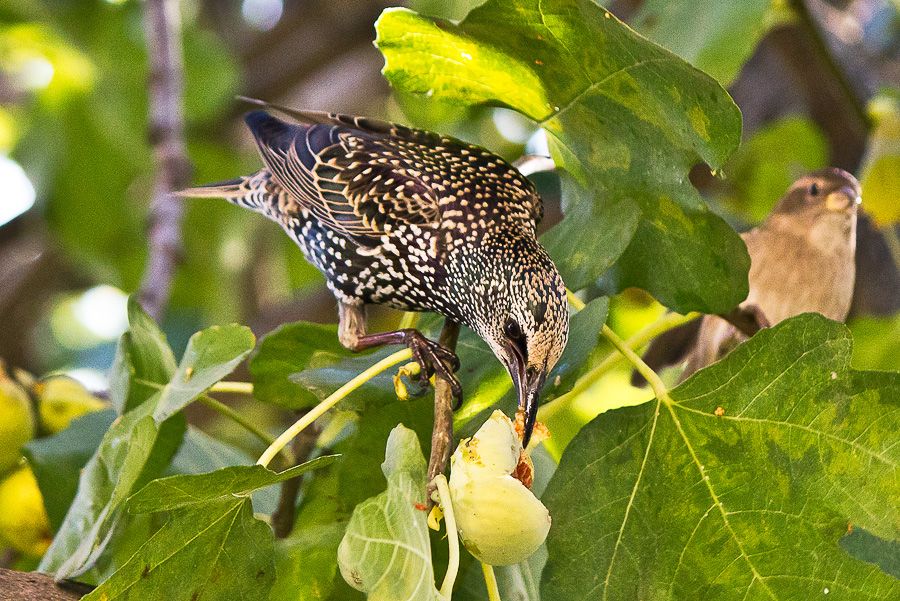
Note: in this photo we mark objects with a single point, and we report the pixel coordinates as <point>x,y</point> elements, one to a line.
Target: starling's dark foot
<point>435,359</point>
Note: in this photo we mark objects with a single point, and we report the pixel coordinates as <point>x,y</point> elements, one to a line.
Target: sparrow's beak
<point>843,199</point>
<point>528,381</point>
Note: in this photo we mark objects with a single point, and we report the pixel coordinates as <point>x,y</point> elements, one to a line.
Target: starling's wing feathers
<point>364,177</point>
<point>355,183</point>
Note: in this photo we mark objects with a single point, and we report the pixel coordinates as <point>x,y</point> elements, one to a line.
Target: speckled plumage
<point>413,220</point>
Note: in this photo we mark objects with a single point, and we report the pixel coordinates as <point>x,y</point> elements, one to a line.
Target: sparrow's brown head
<point>821,193</point>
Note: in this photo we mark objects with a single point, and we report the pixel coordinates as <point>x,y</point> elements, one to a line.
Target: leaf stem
<point>228,412</point>
<point>409,320</point>
<point>233,388</point>
<point>574,300</point>
<point>813,29</point>
<point>443,489</point>
<point>333,399</point>
<point>656,383</point>
<point>491,581</point>
<point>667,322</point>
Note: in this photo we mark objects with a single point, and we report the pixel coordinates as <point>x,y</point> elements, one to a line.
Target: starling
<point>801,260</point>
<point>417,221</point>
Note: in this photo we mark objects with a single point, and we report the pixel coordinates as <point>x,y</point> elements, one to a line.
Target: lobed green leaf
<point>212,551</point>
<point>740,487</point>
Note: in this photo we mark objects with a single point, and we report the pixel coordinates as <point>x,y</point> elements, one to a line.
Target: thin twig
<point>166,133</point>
<point>442,431</point>
<point>285,513</point>
<point>808,22</point>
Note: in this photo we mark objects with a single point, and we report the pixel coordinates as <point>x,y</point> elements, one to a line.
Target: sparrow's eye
<point>512,329</point>
<point>814,189</point>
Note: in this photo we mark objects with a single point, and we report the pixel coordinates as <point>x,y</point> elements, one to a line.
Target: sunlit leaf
<point>626,118</point>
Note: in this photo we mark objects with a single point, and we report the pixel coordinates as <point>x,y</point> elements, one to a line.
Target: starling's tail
<point>250,192</point>
<point>227,190</point>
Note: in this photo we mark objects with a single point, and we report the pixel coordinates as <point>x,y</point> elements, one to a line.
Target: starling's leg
<point>431,356</point>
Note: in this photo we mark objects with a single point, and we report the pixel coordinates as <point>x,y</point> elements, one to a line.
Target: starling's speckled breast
<point>393,215</point>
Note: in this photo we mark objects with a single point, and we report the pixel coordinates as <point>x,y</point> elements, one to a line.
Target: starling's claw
<point>435,359</point>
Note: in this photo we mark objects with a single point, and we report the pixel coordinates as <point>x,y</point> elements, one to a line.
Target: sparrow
<point>802,259</point>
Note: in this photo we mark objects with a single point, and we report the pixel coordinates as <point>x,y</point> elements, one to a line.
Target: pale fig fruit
<point>499,519</point>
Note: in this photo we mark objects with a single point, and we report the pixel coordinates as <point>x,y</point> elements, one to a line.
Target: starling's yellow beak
<point>843,199</point>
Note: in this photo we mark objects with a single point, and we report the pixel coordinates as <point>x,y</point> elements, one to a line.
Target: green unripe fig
<point>16,423</point>
<point>24,525</point>
<point>62,399</point>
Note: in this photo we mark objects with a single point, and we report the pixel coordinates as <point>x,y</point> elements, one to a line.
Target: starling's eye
<point>814,189</point>
<point>512,329</point>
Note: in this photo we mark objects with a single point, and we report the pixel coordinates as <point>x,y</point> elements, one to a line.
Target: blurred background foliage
<point>817,82</point>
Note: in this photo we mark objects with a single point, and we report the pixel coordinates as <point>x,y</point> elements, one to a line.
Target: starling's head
<point>525,320</point>
<point>831,194</point>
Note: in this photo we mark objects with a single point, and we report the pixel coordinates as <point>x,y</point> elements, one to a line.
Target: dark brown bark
<point>32,586</point>
<point>831,99</point>
<point>286,512</point>
<point>442,432</point>
<point>166,132</point>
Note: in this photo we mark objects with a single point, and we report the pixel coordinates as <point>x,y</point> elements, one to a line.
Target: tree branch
<point>32,586</point>
<point>286,512</point>
<point>166,133</point>
<point>808,23</point>
<point>442,432</point>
